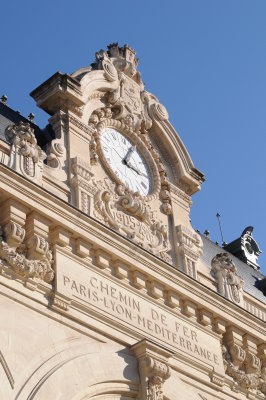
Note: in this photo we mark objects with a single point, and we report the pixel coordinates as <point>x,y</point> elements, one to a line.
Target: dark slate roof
<point>247,273</point>
<point>9,116</point>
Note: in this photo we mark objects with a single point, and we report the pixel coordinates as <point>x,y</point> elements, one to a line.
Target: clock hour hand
<point>136,169</point>
<point>129,154</point>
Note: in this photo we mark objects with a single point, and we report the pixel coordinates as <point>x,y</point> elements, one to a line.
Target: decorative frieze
<point>255,309</point>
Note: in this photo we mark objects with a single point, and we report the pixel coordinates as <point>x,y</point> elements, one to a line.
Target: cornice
<point>89,229</point>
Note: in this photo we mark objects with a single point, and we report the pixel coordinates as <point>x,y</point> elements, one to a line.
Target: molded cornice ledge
<point>55,91</point>
<point>173,284</point>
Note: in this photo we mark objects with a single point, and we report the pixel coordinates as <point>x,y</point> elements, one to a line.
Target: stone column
<point>153,368</point>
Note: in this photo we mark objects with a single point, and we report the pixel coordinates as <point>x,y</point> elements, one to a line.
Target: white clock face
<point>126,161</point>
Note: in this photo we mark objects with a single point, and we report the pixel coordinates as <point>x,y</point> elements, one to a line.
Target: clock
<point>249,247</point>
<point>126,161</point>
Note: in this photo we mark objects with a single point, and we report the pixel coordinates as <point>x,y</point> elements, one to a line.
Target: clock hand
<point>129,154</point>
<point>130,165</point>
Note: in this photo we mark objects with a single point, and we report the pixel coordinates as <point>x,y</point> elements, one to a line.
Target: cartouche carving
<point>26,156</point>
<point>230,285</point>
<point>129,215</point>
<point>21,262</point>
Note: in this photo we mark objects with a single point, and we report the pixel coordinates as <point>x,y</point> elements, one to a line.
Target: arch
<point>78,370</point>
<point>109,390</point>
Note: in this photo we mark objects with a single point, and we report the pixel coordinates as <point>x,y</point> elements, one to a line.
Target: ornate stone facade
<point>104,290</point>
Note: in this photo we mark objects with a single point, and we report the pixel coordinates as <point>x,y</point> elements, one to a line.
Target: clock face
<point>249,248</point>
<point>126,161</point>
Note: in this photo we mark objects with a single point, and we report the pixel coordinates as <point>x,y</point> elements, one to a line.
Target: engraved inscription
<point>90,288</point>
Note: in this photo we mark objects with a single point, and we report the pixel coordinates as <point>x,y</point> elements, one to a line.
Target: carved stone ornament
<point>26,156</point>
<point>129,101</point>
<point>19,258</point>
<point>103,118</point>
<point>128,214</point>
<point>56,152</point>
<point>83,183</point>
<point>189,245</point>
<point>234,367</point>
<point>157,373</point>
<point>230,285</point>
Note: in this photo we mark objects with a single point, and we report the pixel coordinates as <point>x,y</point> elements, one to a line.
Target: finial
<point>4,99</point>
<point>220,226</point>
<point>207,233</point>
<point>31,117</point>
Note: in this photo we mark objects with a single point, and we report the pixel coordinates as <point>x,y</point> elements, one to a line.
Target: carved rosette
<point>230,285</point>
<point>26,156</point>
<point>36,263</point>
<point>189,247</point>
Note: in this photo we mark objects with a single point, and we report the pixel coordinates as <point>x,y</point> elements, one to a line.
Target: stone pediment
<point>113,81</point>
<point>109,95</point>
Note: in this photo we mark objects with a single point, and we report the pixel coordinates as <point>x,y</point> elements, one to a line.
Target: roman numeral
<point>143,184</point>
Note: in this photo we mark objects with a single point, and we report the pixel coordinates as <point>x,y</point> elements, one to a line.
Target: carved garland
<point>16,257</point>
<point>129,215</point>
<point>233,362</point>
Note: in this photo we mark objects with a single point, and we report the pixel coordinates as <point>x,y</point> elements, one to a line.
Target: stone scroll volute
<point>154,369</point>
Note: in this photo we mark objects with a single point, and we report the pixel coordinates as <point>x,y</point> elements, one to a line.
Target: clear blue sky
<point>204,59</point>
